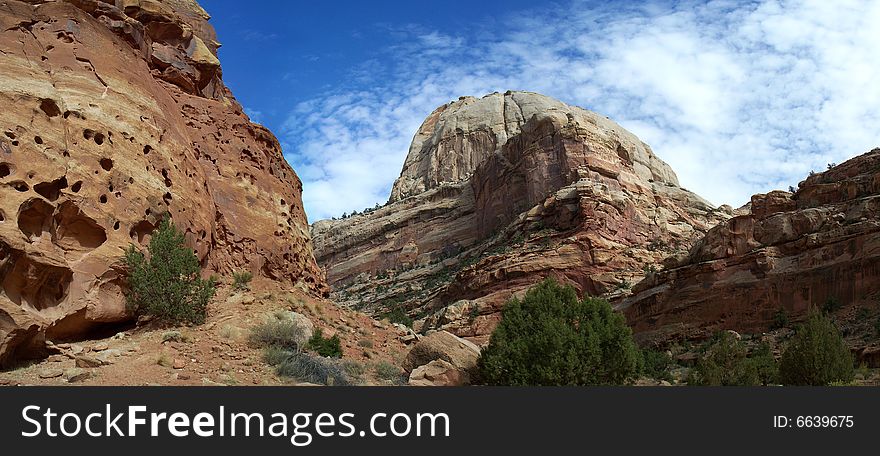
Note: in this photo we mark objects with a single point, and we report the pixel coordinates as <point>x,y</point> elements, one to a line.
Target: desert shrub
<point>313,369</point>
<point>780,319</point>
<point>831,305</point>
<point>354,370</point>
<point>725,361</point>
<point>282,334</point>
<point>657,365</point>
<point>329,347</point>
<point>390,373</point>
<point>398,315</point>
<point>765,365</point>
<point>275,355</point>
<point>166,283</point>
<point>175,336</point>
<point>816,355</point>
<point>553,338</point>
<point>241,279</point>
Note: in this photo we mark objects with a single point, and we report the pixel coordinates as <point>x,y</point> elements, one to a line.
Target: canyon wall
<point>818,246</point>
<point>499,192</point>
<point>115,114</point>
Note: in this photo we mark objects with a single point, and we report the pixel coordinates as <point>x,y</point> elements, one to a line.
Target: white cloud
<point>254,115</point>
<point>738,98</point>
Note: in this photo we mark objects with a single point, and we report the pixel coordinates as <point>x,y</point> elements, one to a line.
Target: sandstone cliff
<point>790,251</point>
<point>114,113</point>
<point>497,193</point>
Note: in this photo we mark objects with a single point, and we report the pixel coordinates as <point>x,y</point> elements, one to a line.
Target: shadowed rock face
<point>114,113</point>
<point>790,252</point>
<point>500,192</point>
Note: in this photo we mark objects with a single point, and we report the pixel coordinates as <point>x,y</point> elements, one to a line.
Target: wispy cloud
<point>738,98</point>
<point>254,115</point>
<point>258,35</point>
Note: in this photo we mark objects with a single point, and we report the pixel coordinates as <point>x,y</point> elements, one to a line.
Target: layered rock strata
<point>499,192</point>
<point>816,247</point>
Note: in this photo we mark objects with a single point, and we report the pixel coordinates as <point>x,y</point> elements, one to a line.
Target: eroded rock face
<point>114,113</point>
<point>790,252</point>
<point>500,192</point>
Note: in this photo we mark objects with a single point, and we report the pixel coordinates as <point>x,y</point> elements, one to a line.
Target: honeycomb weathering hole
<point>35,217</point>
<point>49,107</point>
<point>141,231</point>
<point>75,230</point>
<point>51,190</point>
<point>20,186</point>
<point>107,164</point>
<point>5,169</point>
<point>29,283</point>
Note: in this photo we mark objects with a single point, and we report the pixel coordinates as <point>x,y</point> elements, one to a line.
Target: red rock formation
<point>500,192</point>
<point>791,252</point>
<point>114,114</point>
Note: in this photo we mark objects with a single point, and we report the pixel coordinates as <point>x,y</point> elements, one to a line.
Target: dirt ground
<point>217,352</point>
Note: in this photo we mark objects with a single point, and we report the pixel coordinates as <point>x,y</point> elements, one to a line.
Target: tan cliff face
<point>113,115</point>
<point>789,252</point>
<point>500,192</point>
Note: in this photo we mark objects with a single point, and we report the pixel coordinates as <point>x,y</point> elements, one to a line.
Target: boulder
<point>442,345</point>
<point>439,373</point>
<point>298,319</point>
<point>77,375</point>
<point>87,361</point>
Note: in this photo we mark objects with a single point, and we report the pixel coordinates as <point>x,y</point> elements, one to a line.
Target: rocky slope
<point>115,113</point>
<point>499,192</point>
<point>816,247</point>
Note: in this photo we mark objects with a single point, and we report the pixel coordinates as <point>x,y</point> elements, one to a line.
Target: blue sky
<point>738,97</point>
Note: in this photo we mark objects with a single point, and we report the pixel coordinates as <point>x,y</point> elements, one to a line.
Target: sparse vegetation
<point>398,315</point>
<point>283,334</point>
<point>166,283</point>
<point>553,338</point>
<point>816,355</point>
<point>241,280</point>
<point>313,369</point>
<point>175,336</point>
<point>280,342</point>
<point>230,332</point>
<point>389,373</point>
<point>780,319</point>
<point>725,361</point>
<point>831,305</point>
<point>354,370</point>
<point>657,365</point>
<point>329,347</point>
<point>164,360</point>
